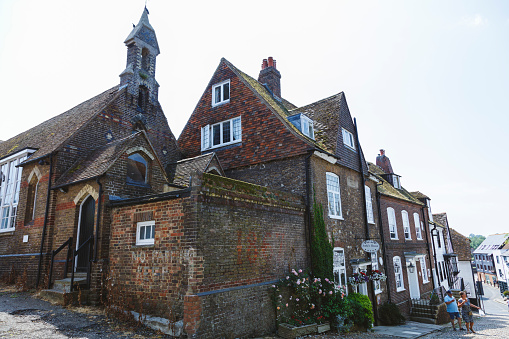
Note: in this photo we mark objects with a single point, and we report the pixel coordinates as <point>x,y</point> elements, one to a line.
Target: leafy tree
<point>476,240</point>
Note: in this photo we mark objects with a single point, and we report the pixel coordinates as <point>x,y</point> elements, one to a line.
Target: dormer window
<point>303,124</point>
<point>221,93</point>
<point>396,182</point>
<point>348,139</point>
<point>306,125</point>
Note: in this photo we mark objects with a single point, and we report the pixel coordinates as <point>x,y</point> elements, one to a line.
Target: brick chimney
<point>384,162</point>
<point>270,75</point>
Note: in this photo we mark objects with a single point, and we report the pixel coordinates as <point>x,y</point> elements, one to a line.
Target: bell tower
<point>139,75</point>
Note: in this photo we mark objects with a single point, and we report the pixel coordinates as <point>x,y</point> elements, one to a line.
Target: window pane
<point>217,94</point>
<point>226,91</point>
<point>216,135</point>
<point>142,232</point>
<point>136,169</point>
<point>153,227</point>
<point>226,131</point>
<point>236,129</point>
<point>148,230</point>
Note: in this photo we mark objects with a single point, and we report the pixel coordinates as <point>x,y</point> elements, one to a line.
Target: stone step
<point>427,307</point>
<point>64,285</point>
<point>423,320</point>
<point>63,298</point>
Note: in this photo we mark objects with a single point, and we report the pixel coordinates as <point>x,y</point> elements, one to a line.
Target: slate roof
<point>97,162</point>
<point>389,190</point>
<point>180,171</point>
<point>326,114</point>
<point>492,243</point>
<point>51,134</point>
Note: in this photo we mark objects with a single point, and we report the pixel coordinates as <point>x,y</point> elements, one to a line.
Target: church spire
<point>139,75</point>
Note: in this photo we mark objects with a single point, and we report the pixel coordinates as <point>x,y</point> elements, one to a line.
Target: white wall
<point>466,273</point>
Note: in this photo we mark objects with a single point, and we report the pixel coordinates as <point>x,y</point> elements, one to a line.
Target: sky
<point>426,80</point>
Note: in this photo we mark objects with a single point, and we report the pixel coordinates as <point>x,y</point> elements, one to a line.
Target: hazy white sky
<point>427,80</point>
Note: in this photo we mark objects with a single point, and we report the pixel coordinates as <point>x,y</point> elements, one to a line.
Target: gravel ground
<point>23,316</point>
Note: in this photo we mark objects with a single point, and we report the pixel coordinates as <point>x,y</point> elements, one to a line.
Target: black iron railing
<point>90,243</point>
<point>68,243</point>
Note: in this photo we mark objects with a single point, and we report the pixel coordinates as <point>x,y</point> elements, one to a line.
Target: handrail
<point>90,243</point>
<point>54,253</point>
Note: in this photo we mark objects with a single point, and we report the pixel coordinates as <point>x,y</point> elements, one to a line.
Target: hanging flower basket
<point>358,278</point>
<point>376,275</point>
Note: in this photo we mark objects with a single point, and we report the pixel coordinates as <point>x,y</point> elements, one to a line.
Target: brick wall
<point>400,246</point>
<point>215,254</point>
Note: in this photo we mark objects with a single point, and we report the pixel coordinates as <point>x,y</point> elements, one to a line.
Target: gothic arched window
<point>145,59</point>
<point>137,169</point>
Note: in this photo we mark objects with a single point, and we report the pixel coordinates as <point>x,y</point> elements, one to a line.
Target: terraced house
<point>404,223</point>
<point>312,151</point>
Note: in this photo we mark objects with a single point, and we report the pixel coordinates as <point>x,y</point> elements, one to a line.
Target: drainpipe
<point>99,205</point>
<point>383,239</point>
<point>45,225</point>
<point>307,163</point>
<point>427,242</point>
<point>363,189</point>
<point>435,251</point>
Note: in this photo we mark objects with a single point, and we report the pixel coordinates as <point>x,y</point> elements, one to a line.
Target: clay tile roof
<point>97,162</point>
<point>180,171</point>
<point>389,190</point>
<point>440,218</point>
<point>461,245</point>
<point>419,195</point>
<point>51,134</point>
<point>278,106</point>
<point>324,114</point>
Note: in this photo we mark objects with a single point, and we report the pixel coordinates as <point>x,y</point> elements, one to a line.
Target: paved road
<point>492,302</point>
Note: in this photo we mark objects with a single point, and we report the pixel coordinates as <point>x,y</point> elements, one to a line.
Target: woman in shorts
<point>466,311</point>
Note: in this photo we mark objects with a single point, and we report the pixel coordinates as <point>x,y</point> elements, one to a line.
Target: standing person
<point>452,309</point>
<point>466,311</point>
<point>507,302</point>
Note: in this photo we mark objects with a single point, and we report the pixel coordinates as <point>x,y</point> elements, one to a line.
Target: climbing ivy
<point>322,250</point>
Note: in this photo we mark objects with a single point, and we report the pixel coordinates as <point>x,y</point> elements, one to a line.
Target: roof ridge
<point>319,101</point>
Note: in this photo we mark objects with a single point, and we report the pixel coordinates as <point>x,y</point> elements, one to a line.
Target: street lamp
<point>411,268</point>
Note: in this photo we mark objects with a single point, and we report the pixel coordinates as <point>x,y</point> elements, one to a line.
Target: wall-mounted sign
<point>370,246</point>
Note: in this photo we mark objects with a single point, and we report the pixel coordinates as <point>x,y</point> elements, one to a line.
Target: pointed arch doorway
<point>85,231</point>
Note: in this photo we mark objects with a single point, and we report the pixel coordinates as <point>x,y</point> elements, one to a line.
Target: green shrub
<point>362,312</point>
<point>389,314</point>
<point>506,293</point>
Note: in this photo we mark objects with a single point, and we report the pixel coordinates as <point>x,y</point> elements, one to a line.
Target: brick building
<point>108,177</point>
<point>404,223</point>
<point>312,151</point>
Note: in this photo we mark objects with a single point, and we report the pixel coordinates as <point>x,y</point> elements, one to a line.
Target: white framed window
<point>398,274</point>
<point>10,183</point>
<point>406,225</point>
<point>145,232</point>
<point>374,266</point>
<point>221,134</point>
<point>396,182</point>
<point>369,205</point>
<point>339,268</point>
<point>221,93</point>
<point>334,196</point>
<point>348,139</point>
<point>424,271</point>
<point>306,126</point>
<point>393,229</point>
<point>418,226</point>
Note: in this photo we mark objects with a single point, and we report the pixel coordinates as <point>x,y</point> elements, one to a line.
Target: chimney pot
<point>271,62</point>
<point>270,75</point>
<point>264,64</point>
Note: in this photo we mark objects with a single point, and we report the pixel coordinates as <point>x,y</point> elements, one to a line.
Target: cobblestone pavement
<point>22,317</point>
